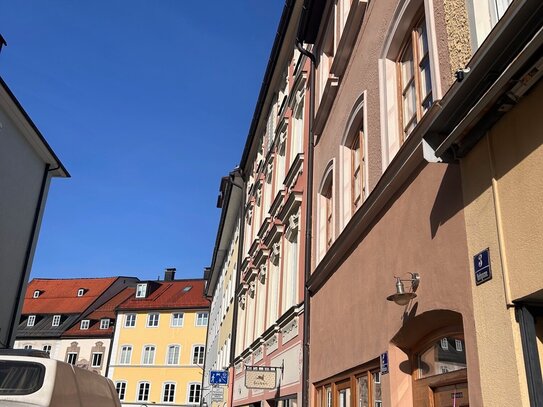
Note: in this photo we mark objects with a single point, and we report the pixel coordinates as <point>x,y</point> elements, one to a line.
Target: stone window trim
<point>73,349</point>
<point>98,348</point>
<point>407,13</point>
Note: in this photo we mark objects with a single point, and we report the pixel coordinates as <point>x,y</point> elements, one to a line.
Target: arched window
<point>326,211</point>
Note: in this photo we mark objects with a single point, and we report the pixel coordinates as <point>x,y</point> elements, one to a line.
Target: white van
<point>31,381</point>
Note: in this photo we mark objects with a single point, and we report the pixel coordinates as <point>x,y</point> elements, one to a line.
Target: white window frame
<point>101,359</point>
<point>200,317</point>
<point>81,292</point>
<point>402,24</point>
<point>173,320</point>
<point>148,350</point>
<point>104,323</point>
<point>321,208</point>
<point>174,384</point>
<point>483,15</point>
<point>36,294</point>
<point>143,382</point>
<point>200,356</point>
<point>172,346</point>
<point>56,320</point>
<point>125,350</point>
<point>75,354</point>
<point>47,348</point>
<point>85,324</point>
<point>150,317</point>
<point>141,290</point>
<point>31,320</point>
<point>199,386</point>
<point>121,390</point>
<point>127,319</point>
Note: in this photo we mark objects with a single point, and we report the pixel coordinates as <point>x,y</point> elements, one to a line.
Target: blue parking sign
<point>218,377</point>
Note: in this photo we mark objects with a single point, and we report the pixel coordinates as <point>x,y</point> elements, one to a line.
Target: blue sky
<point>148,104</point>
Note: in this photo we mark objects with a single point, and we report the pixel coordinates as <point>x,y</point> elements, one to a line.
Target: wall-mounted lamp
<point>401,297</point>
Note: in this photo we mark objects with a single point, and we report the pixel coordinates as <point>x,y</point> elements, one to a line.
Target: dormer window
<point>141,290</point>
<point>56,320</point>
<point>104,323</point>
<point>31,320</point>
<point>81,292</point>
<point>84,324</point>
<point>36,294</point>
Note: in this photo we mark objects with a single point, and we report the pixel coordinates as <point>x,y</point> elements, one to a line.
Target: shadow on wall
<point>448,200</point>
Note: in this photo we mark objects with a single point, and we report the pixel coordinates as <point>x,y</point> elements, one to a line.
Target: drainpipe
<point>23,277</point>
<point>241,239</point>
<point>308,226</point>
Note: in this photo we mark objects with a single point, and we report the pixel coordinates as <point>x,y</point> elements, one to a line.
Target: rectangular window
<point>71,358</point>
<point>152,320</point>
<point>148,355</point>
<point>47,348</point>
<point>121,389</point>
<point>361,389</point>
<point>97,359</point>
<point>28,347</point>
<point>177,319</point>
<point>130,321</point>
<point>194,393</point>
<point>168,395</point>
<point>56,320</point>
<point>31,320</point>
<point>143,391</point>
<point>126,354</point>
<point>104,323</point>
<point>198,355</point>
<point>357,171</point>
<point>201,319</point>
<point>173,355</point>
<point>141,290</point>
<point>84,324</point>
<point>36,294</point>
<point>80,292</point>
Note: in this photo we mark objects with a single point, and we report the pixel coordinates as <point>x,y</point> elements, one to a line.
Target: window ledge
<point>294,171</point>
<point>349,36</point>
<point>328,96</point>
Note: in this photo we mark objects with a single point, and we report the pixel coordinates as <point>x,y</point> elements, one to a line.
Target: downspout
<point>241,239</point>
<point>205,353</point>
<point>29,248</point>
<point>308,227</point>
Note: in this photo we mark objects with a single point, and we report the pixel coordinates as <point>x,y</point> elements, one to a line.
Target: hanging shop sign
<point>261,377</point>
<point>481,266</point>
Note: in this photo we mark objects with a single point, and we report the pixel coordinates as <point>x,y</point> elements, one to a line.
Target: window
<point>47,348</point>
<point>97,359</point>
<point>126,354</point>
<point>31,320</point>
<point>71,358</point>
<point>445,355</point>
<point>326,212</point>
<point>363,388</point>
<point>198,355</point>
<point>173,355</point>
<point>121,389</point>
<point>484,15</point>
<point>290,265</point>
<point>201,319</point>
<point>36,294</point>
<point>80,292</point>
<point>104,323</point>
<point>296,145</point>
<point>152,320</point>
<point>141,290</point>
<point>414,78</point>
<point>168,395</point>
<point>28,347</point>
<point>357,171</point>
<point>85,324</point>
<point>130,321</point>
<point>194,393</point>
<point>177,319</point>
<point>148,355</point>
<point>56,320</point>
<point>143,391</point>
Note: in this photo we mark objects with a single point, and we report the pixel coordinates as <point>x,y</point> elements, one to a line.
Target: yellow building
<point>158,347</point>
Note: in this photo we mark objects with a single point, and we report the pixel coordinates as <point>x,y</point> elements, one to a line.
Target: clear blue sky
<point>147,104</point>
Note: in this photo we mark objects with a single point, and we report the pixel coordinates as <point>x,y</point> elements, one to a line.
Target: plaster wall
<point>38,344</point>
<point>502,179</point>
<point>21,174</point>
<point>85,346</point>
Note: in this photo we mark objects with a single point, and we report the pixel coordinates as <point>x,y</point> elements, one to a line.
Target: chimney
<point>169,274</point>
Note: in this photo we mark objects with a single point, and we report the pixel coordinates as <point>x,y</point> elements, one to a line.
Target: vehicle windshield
<point>19,378</point>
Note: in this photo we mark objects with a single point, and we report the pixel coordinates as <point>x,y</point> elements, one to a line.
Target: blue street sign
<point>481,266</point>
<point>218,377</point>
<point>384,363</point>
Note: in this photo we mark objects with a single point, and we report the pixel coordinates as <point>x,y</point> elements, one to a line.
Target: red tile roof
<point>107,310</point>
<point>59,296</point>
<point>170,294</point>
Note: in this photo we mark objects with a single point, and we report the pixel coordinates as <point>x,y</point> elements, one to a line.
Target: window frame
<point>121,392</point>
<point>141,290</point>
<point>139,390</point>
<point>69,355</point>
<point>171,346</point>
<point>56,320</point>
<point>173,319</point>
<point>104,323</point>
<point>80,292</point>
<point>172,396</point>
<point>36,294</point>
<point>198,389</point>
<point>150,315</point>
<point>93,354</point>
<point>127,349</point>
<point>148,350</point>
<point>50,347</point>
<point>84,324</point>
<point>326,211</point>
<point>127,318</point>
<point>31,321</point>
<point>200,356</point>
<point>204,315</point>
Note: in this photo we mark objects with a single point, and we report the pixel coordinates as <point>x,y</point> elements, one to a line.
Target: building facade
<point>158,348</point>
<point>54,311</point>
<point>27,165</point>
<point>270,311</point>
<point>221,282</point>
